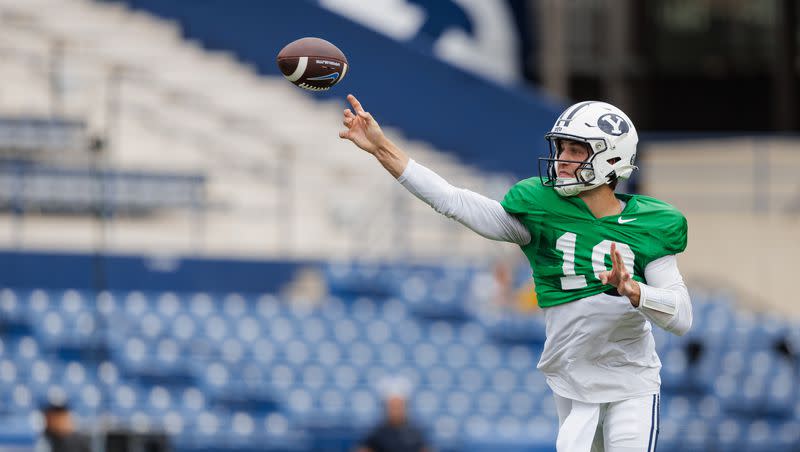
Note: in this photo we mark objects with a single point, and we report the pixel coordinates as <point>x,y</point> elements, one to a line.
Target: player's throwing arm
<point>475,211</point>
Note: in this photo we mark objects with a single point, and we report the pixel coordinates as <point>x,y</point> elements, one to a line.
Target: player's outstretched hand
<point>620,277</point>
<point>362,129</point>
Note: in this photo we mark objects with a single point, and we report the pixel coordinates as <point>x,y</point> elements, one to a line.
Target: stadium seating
<point>265,149</point>
<point>23,136</point>
<point>52,189</point>
<point>245,371</point>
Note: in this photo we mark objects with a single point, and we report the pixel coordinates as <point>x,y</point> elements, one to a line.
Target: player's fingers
<point>344,134</point>
<point>355,103</point>
<point>616,257</point>
<point>603,277</point>
<point>348,113</point>
<point>365,114</point>
<point>614,266</point>
<point>622,262</point>
<point>348,122</point>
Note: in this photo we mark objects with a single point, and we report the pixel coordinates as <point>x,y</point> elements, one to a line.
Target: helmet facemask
<point>586,173</point>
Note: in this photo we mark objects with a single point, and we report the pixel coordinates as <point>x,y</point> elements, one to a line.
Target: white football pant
<point>625,426</point>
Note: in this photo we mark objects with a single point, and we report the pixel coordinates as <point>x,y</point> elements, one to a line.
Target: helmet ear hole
<point>613,161</point>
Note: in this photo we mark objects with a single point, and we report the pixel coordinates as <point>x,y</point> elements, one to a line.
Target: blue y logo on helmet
<point>613,124</point>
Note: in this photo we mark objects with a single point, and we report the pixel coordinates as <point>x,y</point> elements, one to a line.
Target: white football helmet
<point>612,140</point>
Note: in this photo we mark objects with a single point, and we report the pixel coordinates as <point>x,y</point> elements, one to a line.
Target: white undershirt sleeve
<point>665,299</point>
<point>475,211</point>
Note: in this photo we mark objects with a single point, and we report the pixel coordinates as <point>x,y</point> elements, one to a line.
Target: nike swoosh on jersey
<point>628,220</point>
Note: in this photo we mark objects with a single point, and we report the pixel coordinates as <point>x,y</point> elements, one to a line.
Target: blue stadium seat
<point>364,406</point>
<point>12,311</point>
<point>183,328</point>
<point>88,401</point>
<point>696,435</point>
<point>75,376</point>
<point>471,379</point>
<point>394,357</point>
<point>37,301</point>
<point>472,334</point>
<point>358,278</point>
<point>435,298</point>
<point>333,404</point>
<point>216,328</point>
<point>709,408</point>
<point>41,376</point>
<point>107,374</point>
<point>232,351</point>
<point>393,311</point>
<point>787,435</point>
<point>267,307</point>
<point>203,430</point>
<point>458,403</point>
<point>408,332</point>
<point>247,329</point>
<point>759,437</point>
<point>281,329</point>
<point>201,306</point>
<point>192,400</point>
<point>445,429</point>
<point>346,377</point>
<point>169,304</point>
<point>378,332</point>
<point>363,309</point>
<point>125,399</point>
<point>534,382</point>
<point>489,404</point>
<point>135,305</point>
<point>675,407</point>
<point>729,435</point>
<point>439,378</point>
<point>24,351</point>
<point>235,306</point>
<point>173,423</point>
<point>425,404</point>
<point>18,398</point>
<point>489,356</point>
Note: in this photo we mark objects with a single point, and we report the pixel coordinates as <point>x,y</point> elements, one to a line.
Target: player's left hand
<point>620,277</point>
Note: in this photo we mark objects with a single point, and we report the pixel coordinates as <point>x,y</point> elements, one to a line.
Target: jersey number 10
<point>566,244</point>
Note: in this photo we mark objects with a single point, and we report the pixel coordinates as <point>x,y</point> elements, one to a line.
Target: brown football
<point>312,63</point>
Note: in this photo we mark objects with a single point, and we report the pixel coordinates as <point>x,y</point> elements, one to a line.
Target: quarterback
<point>604,266</point>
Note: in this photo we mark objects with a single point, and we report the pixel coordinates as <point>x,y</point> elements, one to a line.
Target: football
<point>312,63</point>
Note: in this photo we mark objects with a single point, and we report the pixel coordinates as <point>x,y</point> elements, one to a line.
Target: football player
<point>604,266</point>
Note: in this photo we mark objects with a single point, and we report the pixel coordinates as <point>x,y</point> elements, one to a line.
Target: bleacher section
<point>255,371</point>
<point>22,137</point>
<point>407,86</point>
<point>277,177</point>
<point>41,188</point>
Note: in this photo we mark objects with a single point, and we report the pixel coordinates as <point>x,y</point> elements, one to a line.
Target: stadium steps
<point>184,107</point>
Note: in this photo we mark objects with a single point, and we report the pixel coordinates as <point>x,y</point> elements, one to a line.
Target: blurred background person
<point>59,432</point>
<point>396,432</point>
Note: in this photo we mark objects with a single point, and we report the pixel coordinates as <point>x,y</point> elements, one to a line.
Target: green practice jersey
<point>569,247</point>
